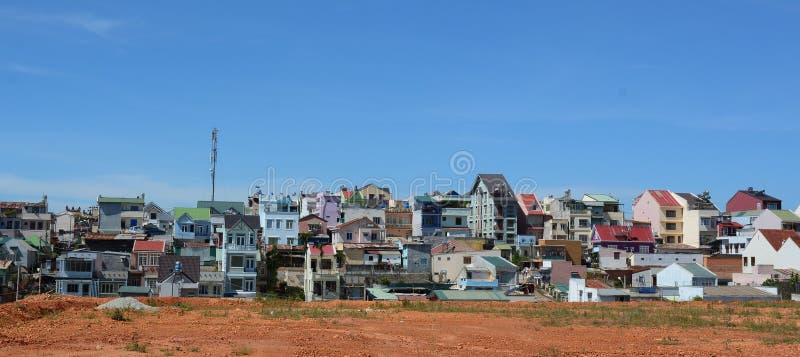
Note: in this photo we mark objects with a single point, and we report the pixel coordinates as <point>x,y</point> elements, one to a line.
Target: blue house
<point>192,223</point>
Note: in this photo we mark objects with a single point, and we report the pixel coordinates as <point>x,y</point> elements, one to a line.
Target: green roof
<point>197,214</point>
<point>754,212</point>
<point>424,198</point>
<point>470,295</point>
<point>219,207</point>
<point>697,270</point>
<point>102,199</point>
<point>602,197</point>
<point>564,288</point>
<point>380,294</point>
<point>498,262</point>
<point>786,216</point>
<point>36,242</point>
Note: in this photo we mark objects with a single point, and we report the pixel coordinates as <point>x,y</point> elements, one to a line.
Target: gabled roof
<point>530,204</point>
<point>786,216</point>
<point>311,216</point>
<point>327,250</point>
<point>357,221</point>
<point>452,246</point>
<point>602,197</point>
<point>596,284</point>
<point>196,214</point>
<point>624,234</point>
<point>149,246</point>
<point>694,202</point>
<point>222,207</point>
<point>102,199</point>
<point>347,194</point>
<point>697,270</point>
<point>251,221</point>
<point>761,195</point>
<point>36,242</point>
<point>493,181</point>
<point>190,265</point>
<point>776,237</point>
<point>469,295</point>
<point>152,205</point>
<point>664,198</point>
<point>385,189</point>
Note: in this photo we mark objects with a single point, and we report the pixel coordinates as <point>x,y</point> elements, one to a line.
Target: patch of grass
<point>183,306</point>
<point>90,316</point>
<point>135,346</point>
<point>118,315</point>
<point>243,351</point>
<point>209,313</point>
<point>53,315</point>
<point>167,352</point>
<point>781,340</point>
<point>194,349</point>
<point>668,341</point>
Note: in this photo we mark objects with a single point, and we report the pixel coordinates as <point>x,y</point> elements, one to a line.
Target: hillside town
<point>365,243</point>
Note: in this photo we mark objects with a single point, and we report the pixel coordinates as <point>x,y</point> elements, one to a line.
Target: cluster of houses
<point>362,243</point>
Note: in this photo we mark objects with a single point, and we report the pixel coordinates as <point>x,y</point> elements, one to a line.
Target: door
<point>134,223</point>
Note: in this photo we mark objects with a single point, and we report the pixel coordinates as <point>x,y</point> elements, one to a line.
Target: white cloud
<point>25,69</point>
<point>83,21</point>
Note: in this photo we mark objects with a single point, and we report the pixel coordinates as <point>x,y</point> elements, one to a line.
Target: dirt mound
<point>37,306</point>
<point>126,303</point>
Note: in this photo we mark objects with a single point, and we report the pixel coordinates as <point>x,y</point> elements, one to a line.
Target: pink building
<point>663,211</point>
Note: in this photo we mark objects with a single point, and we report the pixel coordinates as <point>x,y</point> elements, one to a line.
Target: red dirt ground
<point>61,325</point>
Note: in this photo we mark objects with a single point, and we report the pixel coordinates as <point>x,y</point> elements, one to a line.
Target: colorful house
<point>750,199</point>
<point>663,212</point>
<point>635,239</point>
<point>192,223</point>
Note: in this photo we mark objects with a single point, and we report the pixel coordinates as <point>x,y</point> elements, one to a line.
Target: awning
<point>383,252</point>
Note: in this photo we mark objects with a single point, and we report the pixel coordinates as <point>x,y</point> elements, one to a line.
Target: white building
<point>665,259</point>
<point>279,219</point>
<point>685,274</point>
<point>776,247</point>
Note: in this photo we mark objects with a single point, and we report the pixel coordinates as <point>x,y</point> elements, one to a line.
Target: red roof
<point>148,245</point>
<point>342,225</point>
<point>776,237</point>
<point>624,234</point>
<point>453,246</point>
<point>347,194</point>
<point>596,284</point>
<point>526,201</point>
<point>731,224</point>
<point>326,250</point>
<point>664,198</point>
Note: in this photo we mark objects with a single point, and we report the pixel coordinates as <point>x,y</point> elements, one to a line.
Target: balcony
<point>240,247</point>
<point>477,283</point>
<point>329,276</point>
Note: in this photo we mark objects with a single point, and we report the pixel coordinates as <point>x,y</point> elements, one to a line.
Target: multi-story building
<point>120,214</point>
<point>700,218</point>
<point>363,230</point>
<point>27,217</point>
<point>279,217</point>
<point>89,273</point>
<point>158,218</point>
<point>327,207</point>
<point>635,239</point>
<point>779,248</point>
<point>398,222</point>
<point>606,209</point>
<point>531,217</point>
<point>750,199</point>
<point>777,219</point>
<point>374,196</point>
<point>427,216</point>
<point>144,263</point>
<point>663,212</point>
<point>455,214</point>
<point>192,224</point>
<point>321,278</point>
<point>571,219</point>
<point>238,254</point>
<point>493,209</point>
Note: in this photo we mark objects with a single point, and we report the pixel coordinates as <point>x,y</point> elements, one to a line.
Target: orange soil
<point>61,325</point>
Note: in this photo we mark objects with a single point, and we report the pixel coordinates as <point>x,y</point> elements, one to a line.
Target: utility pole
<point>213,160</point>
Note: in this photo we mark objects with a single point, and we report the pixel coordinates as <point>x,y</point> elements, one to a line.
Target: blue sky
<point>118,98</point>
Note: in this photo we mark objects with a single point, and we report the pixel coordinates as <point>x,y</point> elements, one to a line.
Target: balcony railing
<point>234,246</point>
<point>476,283</point>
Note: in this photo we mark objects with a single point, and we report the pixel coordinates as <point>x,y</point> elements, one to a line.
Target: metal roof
<point>601,197</point>
<point>498,262</point>
<point>197,214</point>
<point>469,295</point>
<point>102,199</point>
<point>786,216</point>
<point>380,294</point>
<point>697,270</point>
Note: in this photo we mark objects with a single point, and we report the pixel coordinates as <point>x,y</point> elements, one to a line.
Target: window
<point>277,224</point>
<point>236,284</point>
<point>85,289</point>
<point>583,223</point>
<point>84,266</point>
<point>273,240</point>
<point>107,288</point>
<point>290,241</point>
<point>72,288</point>
<point>240,239</point>
<point>289,224</point>
<point>217,290</point>
<point>644,249</point>
<point>371,258</point>
<point>237,261</point>
<point>142,260</point>
<point>752,261</point>
<point>376,220</point>
<point>349,235</point>
<point>251,238</point>
<point>584,238</point>
<point>203,289</point>
<point>250,263</point>
<point>444,218</point>
<point>745,261</point>
<point>671,213</point>
<point>671,226</point>
<point>326,264</point>
<point>467,260</point>
<point>616,255</point>
<point>459,221</point>
<point>269,224</point>
<point>588,296</point>
<point>249,285</point>
<point>153,215</point>
<point>185,228</point>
